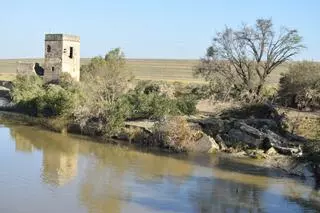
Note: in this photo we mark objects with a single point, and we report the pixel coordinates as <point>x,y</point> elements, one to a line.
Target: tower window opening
<point>52,69</point>
<point>48,48</point>
<point>71,52</point>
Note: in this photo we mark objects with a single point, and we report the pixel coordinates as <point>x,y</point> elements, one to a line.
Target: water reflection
<point>59,158</point>
<point>113,178</point>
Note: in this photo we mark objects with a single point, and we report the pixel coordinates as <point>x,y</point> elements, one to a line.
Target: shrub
<point>152,105</point>
<point>159,87</point>
<point>187,104</point>
<point>300,87</point>
<point>105,82</point>
<point>32,97</point>
<point>150,100</point>
<point>174,134</point>
<point>67,82</point>
<point>198,91</point>
<point>27,93</point>
<point>269,93</point>
<point>57,101</point>
<point>304,125</point>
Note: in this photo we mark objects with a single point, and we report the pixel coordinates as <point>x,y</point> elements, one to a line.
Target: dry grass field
<point>145,69</point>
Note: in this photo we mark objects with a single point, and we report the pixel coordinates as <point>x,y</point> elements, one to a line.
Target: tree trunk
<point>259,89</point>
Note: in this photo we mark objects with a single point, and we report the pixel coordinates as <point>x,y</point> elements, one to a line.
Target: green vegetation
<point>37,99</point>
<point>154,100</point>
<point>300,87</point>
<point>105,98</point>
<point>241,66</point>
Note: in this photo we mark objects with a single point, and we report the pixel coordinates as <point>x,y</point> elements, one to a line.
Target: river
<point>47,172</point>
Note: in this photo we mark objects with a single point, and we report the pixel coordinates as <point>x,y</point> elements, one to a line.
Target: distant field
<point>145,69</point>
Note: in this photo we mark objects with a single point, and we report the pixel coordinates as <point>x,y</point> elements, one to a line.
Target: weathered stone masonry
<point>62,54</point>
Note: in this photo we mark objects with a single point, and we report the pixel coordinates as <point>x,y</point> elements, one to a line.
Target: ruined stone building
<point>62,55</point>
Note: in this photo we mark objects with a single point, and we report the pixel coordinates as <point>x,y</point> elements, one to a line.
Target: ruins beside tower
<point>62,55</point>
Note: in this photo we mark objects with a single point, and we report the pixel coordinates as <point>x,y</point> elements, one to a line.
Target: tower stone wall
<point>62,54</point>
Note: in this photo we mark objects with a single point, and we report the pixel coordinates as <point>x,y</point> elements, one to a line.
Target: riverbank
<point>238,137</point>
<point>83,174</point>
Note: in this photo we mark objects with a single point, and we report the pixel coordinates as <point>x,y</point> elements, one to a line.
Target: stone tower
<point>62,54</point>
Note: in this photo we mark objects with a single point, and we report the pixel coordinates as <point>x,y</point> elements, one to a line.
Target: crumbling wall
<point>26,68</point>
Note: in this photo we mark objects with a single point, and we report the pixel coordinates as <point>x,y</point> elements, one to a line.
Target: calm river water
<point>42,172</point>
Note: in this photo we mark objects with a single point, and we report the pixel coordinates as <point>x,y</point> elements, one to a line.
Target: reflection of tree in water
<point>115,175</point>
<point>304,196</point>
<point>144,163</point>
<point>59,156</point>
<point>105,185</point>
<point>218,195</point>
<point>101,190</point>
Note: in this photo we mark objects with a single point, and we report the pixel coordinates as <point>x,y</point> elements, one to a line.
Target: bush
<point>198,91</point>
<point>306,126</point>
<point>151,105</point>
<point>27,93</point>
<point>159,87</point>
<point>32,97</point>
<point>151,100</point>
<point>174,134</point>
<point>57,101</point>
<point>104,85</point>
<point>187,105</point>
<point>300,87</point>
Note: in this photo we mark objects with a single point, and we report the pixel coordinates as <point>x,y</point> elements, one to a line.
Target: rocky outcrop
<point>244,133</point>
<point>205,144</point>
<point>271,151</point>
<point>255,133</point>
<point>221,143</point>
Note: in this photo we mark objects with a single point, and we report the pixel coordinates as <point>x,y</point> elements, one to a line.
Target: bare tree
<point>246,57</point>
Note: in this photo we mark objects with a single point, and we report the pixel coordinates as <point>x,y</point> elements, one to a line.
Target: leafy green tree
<point>115,59</point>
<point>105,81</point>
<point>57,101</point>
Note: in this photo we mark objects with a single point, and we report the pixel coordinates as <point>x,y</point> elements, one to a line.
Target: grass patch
<point>145,69</point>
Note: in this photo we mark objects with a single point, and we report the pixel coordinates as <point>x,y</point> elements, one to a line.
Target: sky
<point>164,29</point>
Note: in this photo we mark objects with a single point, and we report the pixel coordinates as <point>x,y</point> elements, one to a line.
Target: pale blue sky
<point>146,28</point>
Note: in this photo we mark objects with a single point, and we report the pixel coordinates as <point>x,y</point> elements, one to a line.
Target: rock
<point>289,151</point>
<point>246,134</point>
<point>271,151</point>
<point>257,154</point>
<point>317,175</point>
<point>317,170</point>
<point>274,138</point>
<point>262,123</point>
<point>301,170</point>
<point>293,137</point>
<point>213,126</point>
<point>251,131</point>
<point>195,126</point>
<point>4,102</point>
<point>237,136</point>
<point>146,125</point>
<point>257,132</point>
<point>205,144</point>
<point>221,143</point>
